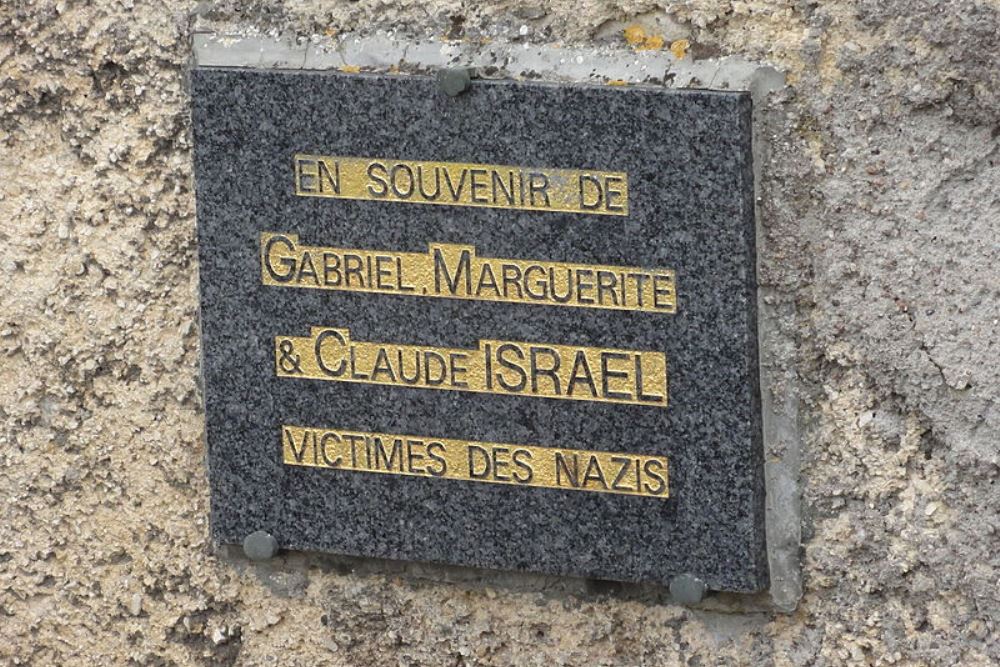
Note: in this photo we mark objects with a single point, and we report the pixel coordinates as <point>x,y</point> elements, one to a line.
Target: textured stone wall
<point>880,215</point>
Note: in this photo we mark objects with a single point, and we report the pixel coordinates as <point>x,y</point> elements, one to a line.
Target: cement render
<point>878,213</point>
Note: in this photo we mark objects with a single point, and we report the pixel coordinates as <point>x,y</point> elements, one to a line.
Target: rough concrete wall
<point>880,214</point>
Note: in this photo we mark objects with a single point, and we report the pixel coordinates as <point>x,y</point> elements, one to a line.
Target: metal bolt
<point>687,589</point>
<point>453,81</point>
<point>260,545</point>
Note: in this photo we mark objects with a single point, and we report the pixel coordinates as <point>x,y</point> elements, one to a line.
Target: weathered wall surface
<point>881,218</point>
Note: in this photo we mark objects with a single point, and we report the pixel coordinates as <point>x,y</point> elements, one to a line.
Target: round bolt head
<point>687,589</point>
<point>260,545</point>
<point>454,81</point>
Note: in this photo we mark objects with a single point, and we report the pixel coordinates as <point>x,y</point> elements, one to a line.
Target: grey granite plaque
<point>513,328</point>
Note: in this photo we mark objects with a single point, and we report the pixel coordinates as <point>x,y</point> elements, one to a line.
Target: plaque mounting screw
<point>687,589</point>
<point>260,545</point>
<point>454,81</point>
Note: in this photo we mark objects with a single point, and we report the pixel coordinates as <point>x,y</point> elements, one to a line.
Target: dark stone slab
<point>688,157</point>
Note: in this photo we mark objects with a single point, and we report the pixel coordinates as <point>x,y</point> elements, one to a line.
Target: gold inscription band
<point>461,184</point>
<point>507,368</point>
<point>456,272</point>
<point>442,458</point>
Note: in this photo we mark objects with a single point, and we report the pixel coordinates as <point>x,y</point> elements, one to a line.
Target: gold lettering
<point>449,271</point>
<point>462,184</point>
<point>469,461</point>
<point>508,368</point>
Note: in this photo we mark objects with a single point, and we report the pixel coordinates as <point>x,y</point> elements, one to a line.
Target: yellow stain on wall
<point>679,48</point>
<point>652,43</point>
<point>640,40</point>
<point>635,34</point>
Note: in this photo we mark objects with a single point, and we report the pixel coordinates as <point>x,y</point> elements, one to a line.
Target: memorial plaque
<point>514,328</point>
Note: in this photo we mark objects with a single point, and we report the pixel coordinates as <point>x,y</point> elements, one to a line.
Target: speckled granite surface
<point>688,159</point>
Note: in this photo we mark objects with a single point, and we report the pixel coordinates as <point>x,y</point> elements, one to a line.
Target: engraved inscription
<point>509,368</point>
<point>461,184</point>
<point>471,461</point>
<point>457,272</point>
